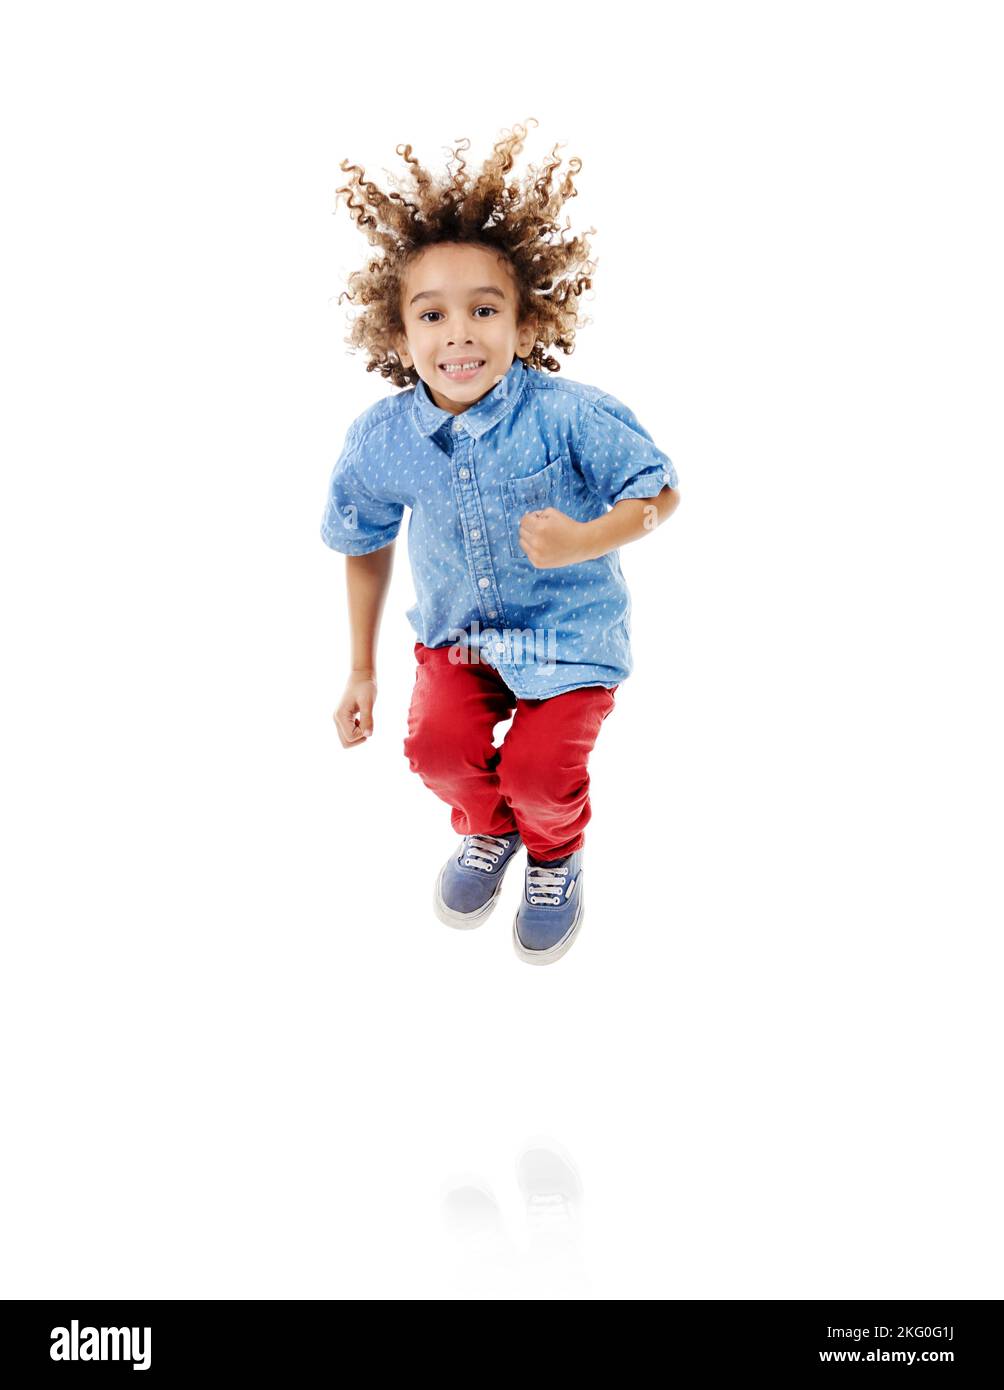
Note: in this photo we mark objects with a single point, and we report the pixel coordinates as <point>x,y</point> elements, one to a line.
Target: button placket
<point>470,504</point>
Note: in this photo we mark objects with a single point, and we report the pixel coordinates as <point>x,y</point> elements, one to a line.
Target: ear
<point>526,338</point>
<point>401,348</point>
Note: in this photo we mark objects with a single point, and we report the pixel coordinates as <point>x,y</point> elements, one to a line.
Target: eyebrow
<point>438,294</point>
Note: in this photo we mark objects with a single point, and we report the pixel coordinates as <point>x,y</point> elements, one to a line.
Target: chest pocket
<point>522,495</point>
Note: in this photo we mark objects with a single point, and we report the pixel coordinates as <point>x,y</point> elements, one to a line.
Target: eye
<point>490,307</point>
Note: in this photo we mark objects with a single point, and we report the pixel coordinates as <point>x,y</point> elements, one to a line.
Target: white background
<point>240,1056</point>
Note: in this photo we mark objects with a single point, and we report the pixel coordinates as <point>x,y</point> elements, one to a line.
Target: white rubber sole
<point>554,952</point>
<point>463,921</point>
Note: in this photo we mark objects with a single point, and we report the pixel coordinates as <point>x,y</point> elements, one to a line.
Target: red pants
<point>535,783</point>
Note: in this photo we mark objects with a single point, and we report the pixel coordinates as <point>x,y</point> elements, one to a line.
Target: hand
<point>552,539</point>
<point>354,715</point>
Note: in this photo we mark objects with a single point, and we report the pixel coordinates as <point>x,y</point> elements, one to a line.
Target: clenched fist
<point>354,715</point>
<point>551,539</point>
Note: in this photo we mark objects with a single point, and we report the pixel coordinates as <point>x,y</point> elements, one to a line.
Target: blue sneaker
<point>468,885</point>
<point>550,914</point>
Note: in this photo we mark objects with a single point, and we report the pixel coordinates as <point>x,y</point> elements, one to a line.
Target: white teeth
<point>465,368</point>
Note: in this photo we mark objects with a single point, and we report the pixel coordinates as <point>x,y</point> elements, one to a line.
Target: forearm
<point>367,579</point>
<point>628,521</point>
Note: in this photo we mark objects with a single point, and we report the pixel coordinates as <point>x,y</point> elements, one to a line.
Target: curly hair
<point>517,223</point>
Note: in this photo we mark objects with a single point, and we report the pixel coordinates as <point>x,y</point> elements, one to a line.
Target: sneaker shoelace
<point>545,883</point>
<point>483,851</point>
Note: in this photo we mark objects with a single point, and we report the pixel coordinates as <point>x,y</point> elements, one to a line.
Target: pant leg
<point>454,709</point>
<point>542,769</point>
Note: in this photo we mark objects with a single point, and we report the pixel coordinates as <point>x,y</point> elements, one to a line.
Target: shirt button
<point>475,535</point>
<point>483,583</point>
<point>458,425</point>
<point>465,473</point>
<point>492,613</point>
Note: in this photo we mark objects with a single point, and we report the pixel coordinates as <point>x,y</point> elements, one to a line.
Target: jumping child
<point>521,487</point>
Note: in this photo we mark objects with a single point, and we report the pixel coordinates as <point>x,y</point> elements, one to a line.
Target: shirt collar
<point>478,418</point>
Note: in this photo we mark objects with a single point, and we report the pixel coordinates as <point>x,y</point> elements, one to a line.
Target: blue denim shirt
<point>533,441</point>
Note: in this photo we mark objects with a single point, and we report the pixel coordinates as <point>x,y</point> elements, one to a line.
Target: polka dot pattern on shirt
<point>533,441</point>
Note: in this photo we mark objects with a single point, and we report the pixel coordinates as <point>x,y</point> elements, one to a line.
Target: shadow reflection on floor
<point>544,1257</point>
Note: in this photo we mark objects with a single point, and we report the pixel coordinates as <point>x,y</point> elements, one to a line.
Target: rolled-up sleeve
<point>355,521</point>
<point>618,456</point>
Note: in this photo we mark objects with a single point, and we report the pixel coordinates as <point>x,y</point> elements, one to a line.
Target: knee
<point>532,776</point>
<point>424,744</point>
<point>435,743</point>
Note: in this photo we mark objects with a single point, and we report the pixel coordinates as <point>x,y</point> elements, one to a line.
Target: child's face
<point>461,302</point>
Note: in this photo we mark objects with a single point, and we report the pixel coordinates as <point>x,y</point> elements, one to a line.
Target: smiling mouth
<point>462,371</point>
